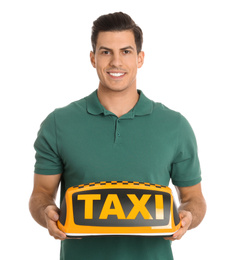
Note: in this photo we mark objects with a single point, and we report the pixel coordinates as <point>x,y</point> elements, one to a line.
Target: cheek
<point>100,65</point>
<point>100,68</point>
<point>134,67</point>
<point>133,64</point>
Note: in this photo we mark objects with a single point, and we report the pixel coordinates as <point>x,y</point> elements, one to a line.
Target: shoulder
<point>77,107</point>
<point>69,113</point>
<point>170,118</point>
<point>166,114</point>
<point>161,108</point>
<point>66,114</point>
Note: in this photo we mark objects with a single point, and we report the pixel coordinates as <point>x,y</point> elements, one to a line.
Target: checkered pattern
<point>119,182</point>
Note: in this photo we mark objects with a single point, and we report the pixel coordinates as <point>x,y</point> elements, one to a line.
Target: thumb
<point>52,212</point>
<point>185,217</point>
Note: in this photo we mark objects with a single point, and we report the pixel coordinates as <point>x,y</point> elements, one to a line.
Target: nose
<point>116,60</point>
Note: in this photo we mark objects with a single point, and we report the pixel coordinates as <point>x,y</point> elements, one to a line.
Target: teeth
<point>116,74</point>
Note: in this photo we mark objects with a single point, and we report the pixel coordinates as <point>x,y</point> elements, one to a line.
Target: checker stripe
<point>91,184</point>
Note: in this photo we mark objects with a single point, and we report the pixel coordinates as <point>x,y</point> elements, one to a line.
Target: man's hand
<point>191,211</point>
<point>186,220</point>
<point>42,203</point>
<point>51,217</point>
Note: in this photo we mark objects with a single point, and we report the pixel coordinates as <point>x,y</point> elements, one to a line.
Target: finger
<point>169,238</point>
<point>54,230</point>
<point>51,218</point>
<point>186,219</point>
<point>177,235</point>
<point>52,212</point>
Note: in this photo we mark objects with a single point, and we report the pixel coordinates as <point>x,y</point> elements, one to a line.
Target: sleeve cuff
<point>187,183</point>
<point>48,171</point>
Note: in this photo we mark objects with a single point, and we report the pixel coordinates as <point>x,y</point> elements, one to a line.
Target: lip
<point>116,72</point>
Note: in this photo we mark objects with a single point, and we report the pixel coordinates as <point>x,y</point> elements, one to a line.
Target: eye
<point>106,52</point>
<point>126,51</point>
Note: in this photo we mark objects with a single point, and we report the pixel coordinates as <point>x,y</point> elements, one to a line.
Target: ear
<point>140,59</point>
<point>92,58</point>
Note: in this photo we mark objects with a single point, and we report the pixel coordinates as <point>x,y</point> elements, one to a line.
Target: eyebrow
<point>122,49</point>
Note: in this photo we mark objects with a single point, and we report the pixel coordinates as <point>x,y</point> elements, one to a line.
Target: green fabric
<point>87,143</point>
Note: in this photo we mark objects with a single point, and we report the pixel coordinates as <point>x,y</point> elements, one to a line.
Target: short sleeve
<point>48,161</point>
<point>186,167</point>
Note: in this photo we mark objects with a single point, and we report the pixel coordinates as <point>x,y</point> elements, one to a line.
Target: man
<point>116,133</point>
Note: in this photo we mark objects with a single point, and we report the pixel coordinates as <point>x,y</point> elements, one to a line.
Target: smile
<point>116,75</point>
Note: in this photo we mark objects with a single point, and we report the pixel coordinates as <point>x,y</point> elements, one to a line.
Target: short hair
<point>116,22</point>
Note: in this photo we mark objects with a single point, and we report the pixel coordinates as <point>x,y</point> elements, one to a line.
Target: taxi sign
<point>118,208</point>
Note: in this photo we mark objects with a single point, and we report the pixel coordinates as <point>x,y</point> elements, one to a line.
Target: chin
<point>115,88</point>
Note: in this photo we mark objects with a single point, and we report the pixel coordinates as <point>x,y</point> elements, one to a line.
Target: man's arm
<point>192,209</point>
<point>42,203</point>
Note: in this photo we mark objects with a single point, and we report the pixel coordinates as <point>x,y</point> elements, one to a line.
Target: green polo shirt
<point>87,143</point>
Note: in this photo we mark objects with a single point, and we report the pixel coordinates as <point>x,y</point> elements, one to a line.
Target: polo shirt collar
<point>144,106</point>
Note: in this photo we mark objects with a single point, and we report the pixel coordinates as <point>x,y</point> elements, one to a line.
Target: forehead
<point>116,39</point>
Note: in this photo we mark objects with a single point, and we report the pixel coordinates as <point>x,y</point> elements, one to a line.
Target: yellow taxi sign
<point>118,208</point>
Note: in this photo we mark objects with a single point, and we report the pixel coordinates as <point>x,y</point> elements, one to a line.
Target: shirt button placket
<point>117,131</point>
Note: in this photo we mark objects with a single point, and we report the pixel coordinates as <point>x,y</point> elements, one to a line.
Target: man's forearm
<point>197,207</point>
<point>37,205</point>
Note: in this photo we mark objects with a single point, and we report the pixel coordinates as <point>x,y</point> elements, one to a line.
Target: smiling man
<point>116,133</point>
<point>117,60</point>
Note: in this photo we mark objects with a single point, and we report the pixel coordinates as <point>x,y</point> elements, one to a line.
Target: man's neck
<point>118,102</point>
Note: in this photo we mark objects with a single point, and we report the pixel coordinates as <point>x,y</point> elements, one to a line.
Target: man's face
<point>116,60</point>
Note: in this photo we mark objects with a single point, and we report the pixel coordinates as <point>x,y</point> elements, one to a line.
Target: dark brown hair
<point>116,22</point>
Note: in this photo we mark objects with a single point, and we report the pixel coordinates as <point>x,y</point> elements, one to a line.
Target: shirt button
<point>118,134</point>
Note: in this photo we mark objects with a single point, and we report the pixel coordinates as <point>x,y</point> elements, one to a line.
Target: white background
<point>191,66</point>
